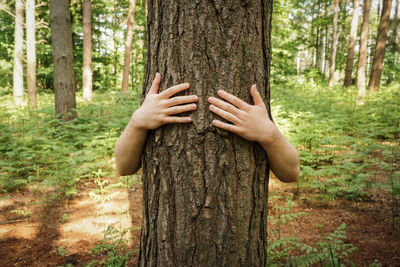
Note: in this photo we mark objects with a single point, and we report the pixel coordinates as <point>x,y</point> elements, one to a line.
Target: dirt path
<point>77,225</point>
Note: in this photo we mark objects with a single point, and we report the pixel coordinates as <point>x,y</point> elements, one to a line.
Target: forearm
<point>129,148</point>
<point>283,159</point>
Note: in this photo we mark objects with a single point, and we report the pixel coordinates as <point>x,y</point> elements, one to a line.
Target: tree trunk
<point>362,56</point>
<point>18,74</point>
<point>87,86</point>
<point>334,42</point>
<point>31,52</point>
<point>128,45</point>
<point>352,44</point>
<point>326,49</point>
<point>377,64</point>
<point>63,59</point>
<point>205,190</point>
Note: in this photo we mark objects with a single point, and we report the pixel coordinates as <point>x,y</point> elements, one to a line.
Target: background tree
<point>128,45</point>
<point>63,59</point>
<point>31,52</point>
<point>87,51</point>
<point>18,81</point>
<point>205,190</point>
<point>380,47</point>
<point>334,43</point>
<point>362,56</point>
<point>352,44</point>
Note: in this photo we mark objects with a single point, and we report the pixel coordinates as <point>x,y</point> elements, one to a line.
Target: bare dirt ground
<point>77,225</point>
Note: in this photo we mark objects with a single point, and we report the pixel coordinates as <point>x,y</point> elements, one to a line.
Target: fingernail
<point>210,99</point>
<point>194,106</point>
<point>195,97</point>
<point>189,119</point>
<point>211,107</point>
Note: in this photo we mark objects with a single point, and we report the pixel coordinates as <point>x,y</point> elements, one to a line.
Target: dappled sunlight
<point>86,220</point>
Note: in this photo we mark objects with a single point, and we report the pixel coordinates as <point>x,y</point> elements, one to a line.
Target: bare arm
<point>157,109</point>
<point>252,123</point>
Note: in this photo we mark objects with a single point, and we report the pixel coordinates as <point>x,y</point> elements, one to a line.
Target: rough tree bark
<point>87,87</point>
<point>352,44</point>
<point>63,59</point>
<point>377,65</point>
<point>362,56</point>
<point>31,52</point>
<point>128,46</point>
<point>18,74</point>
<point>334,42</point>
<point>205,190</point>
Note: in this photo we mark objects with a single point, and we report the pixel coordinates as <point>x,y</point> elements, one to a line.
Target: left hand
<point>251,122</point>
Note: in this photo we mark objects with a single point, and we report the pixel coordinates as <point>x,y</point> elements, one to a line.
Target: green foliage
<point>115,245</point>
<point>38,148</point>
<point>339,141</point>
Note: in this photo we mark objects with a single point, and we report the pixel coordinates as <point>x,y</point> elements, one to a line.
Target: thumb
<point>156,84</point>
<point>256,96</point>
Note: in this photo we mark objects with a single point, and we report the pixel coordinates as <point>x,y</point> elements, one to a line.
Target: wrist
<point>272,137</point>
<point>136,122</point>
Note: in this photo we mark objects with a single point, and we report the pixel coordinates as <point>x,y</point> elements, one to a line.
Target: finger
<point>258,101</point>
<point>180,109</point>
<point>174,90</point>
<point>224,114</point>
<point>225,106</point>
<point>156,84</point>
<point>226,126</point>
<point>177,100</point>
<point>232,99</point>
<point>176,119</point>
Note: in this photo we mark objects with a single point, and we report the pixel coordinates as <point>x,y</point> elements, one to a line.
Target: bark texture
<point>205,190</point>
<point>87,85</point>
<point>362,56</point>
<point>128,46</point>
<point>31,52</point>
<point>63,59</point>
<point>18,73</point>
<point>377,65</point>
<point>352,44</point>
<point>334,42</point>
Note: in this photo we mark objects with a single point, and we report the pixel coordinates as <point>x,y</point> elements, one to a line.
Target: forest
<point>73,72</point>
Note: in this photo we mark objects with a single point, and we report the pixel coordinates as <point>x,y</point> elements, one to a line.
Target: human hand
<point>251,122</point>
<point>157,108</point>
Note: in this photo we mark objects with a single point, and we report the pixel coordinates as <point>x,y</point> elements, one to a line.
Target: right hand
<point>157,108</point>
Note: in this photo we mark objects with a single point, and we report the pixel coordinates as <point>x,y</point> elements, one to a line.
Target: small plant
<point>115,246</point>
<point>63,253</point>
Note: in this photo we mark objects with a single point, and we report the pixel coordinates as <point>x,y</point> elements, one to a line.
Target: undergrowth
<point>36,147</point>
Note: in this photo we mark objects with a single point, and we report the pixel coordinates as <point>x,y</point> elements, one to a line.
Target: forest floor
<point>76,225</point>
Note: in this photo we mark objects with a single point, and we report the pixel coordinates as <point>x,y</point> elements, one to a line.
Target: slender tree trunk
<point>352,44</point>
<point>18,75</point>
<point>205,190</point>
<point>377,64</point>
<point>63,59</point>
<point>128,46</point>
<point>326,60</point>
<point>31,52</point>
<point>362,56</point>
<point>393,41</point>
<point>334,42</point>
<point>87,86</point>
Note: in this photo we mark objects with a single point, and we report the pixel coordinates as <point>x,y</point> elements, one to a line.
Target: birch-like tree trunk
<point>362,56</point>
<point>18,74</point>
<point>334,43</point>
<point>31,52</point>
<point>128,45</point>
<point>352,44</point>
<point>87,84</point>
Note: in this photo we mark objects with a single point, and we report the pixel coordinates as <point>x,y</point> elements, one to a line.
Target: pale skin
<point>248,121</point>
